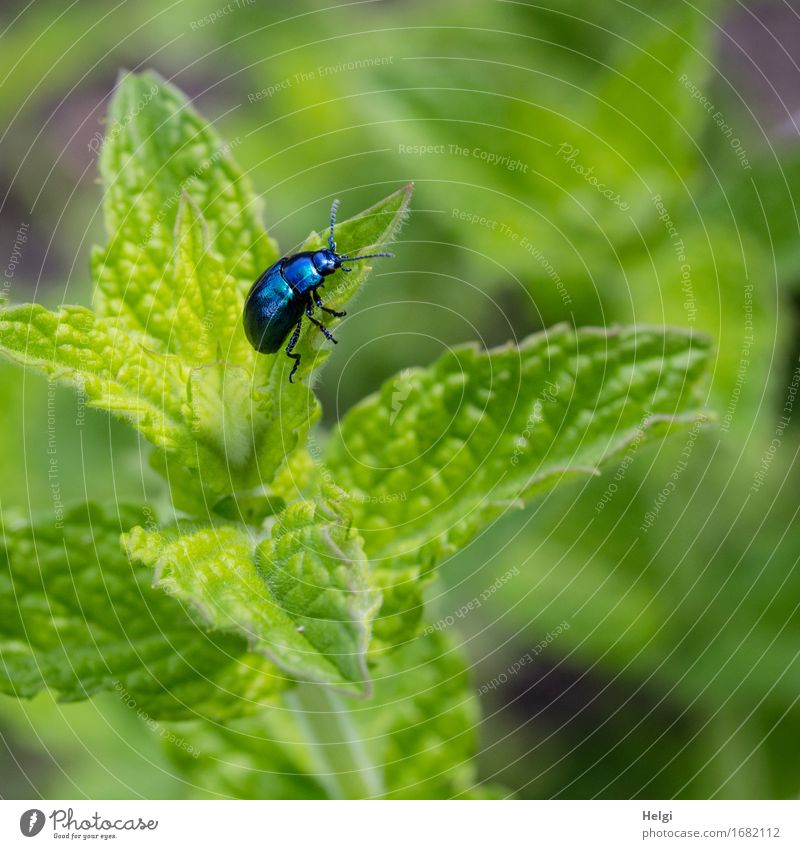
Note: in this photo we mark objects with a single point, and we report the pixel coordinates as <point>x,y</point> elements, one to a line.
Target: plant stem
<point>340,757</point>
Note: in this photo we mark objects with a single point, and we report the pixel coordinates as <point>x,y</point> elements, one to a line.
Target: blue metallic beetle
<point>287,290</point>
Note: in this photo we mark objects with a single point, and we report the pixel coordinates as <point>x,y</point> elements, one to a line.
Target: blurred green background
<point>575,161</point>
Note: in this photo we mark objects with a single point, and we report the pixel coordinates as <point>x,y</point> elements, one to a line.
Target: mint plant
<point>277,612</point>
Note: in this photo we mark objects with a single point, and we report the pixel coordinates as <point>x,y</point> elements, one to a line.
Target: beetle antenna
<point>365,256</point>
<point>331,242</point>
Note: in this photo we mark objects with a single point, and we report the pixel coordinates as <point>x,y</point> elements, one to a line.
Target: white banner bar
<point>402,825</point>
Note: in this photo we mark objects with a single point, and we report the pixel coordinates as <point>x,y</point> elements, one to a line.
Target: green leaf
<point>203,302</point>
<point>115,372</point>
<point>415,739</point>
<point>77,618</point>
<point>288,410</point>
<point>424,720</point>
<point>301,597</point>
<point>165,348</point>
<point>158,150</point>
<point>371,231</point>
<point>199,417</point>
<point>457,444</point>
<point>244,417</point>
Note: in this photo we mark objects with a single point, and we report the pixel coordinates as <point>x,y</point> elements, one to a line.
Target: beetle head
<point>326,261</point>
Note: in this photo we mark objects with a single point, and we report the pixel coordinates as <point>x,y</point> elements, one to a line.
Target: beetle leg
<point>320,325</point>
<point>318,302</point>
<point>290,348</point>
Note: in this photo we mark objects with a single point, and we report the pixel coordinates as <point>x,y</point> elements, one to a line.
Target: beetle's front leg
<point>318,302</point>
<point>320,325</point>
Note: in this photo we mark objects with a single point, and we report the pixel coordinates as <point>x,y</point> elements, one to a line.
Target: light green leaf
<point>415,739</point>
<point>199,416</point>
<point>481,431</point>
<point>219,414</point>
<point>77,618</point>
<point>205,306</point>
<point>166,348</point>
<point>286,410</point>
<point>301,598</point>
<point>115,372</point>
<point>424,720</point>
<point>371,231</point>
<point>158,150</point>
<point>244,409</point>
